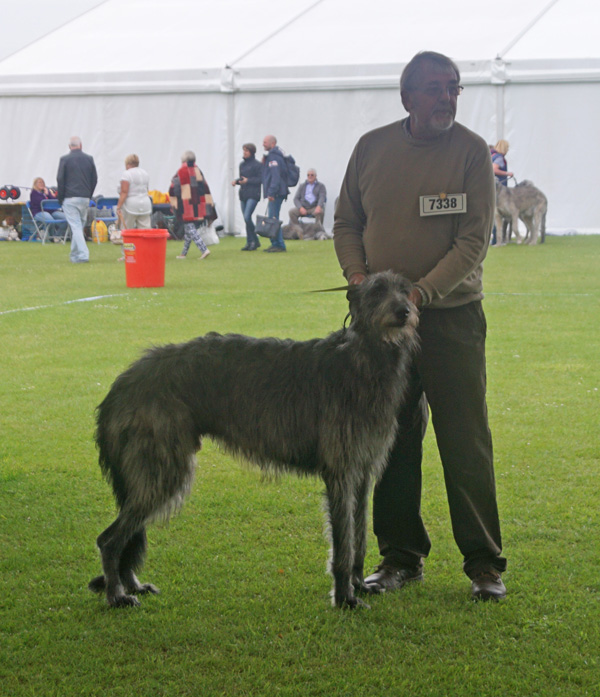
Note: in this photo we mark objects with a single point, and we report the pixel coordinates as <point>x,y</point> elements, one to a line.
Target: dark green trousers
<point>449,375</point>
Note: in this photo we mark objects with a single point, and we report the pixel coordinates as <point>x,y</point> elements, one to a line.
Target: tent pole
<point>500,115</point>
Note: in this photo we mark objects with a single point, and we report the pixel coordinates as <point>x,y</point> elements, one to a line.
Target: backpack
<point>292,171</point>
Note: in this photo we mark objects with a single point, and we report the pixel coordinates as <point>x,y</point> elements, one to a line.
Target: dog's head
<point>380,308</point>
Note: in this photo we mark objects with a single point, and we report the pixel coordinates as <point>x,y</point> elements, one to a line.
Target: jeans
<point>75,210</point>
<point>247,210</point>
<point>273,212</point>
<point>55,222</point>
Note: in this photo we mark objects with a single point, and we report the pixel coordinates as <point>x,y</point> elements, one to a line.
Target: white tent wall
<point>554,142</point>
<point>156,127</point>
<point>320,128</point>
<point>315,73</point>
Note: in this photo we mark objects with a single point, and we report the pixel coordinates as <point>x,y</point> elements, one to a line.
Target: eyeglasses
<point>437,91</point>
<point>311,174</point>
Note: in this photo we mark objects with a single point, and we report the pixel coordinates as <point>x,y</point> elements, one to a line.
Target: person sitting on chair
<point>56,221</point>
<point>309,201</point>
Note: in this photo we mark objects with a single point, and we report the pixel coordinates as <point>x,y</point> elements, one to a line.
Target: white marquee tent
<point>158,78</point>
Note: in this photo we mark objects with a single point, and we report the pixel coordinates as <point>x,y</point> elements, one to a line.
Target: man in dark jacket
<point>274,186</point>
<point>309,201</point>
<point>77,179</point>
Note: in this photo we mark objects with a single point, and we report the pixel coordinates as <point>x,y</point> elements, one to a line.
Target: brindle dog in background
<point>524,201</point>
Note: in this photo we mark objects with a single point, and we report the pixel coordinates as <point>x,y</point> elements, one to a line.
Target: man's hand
<point>318,210</point>
<point>302,210</point>
<point>357,278</point>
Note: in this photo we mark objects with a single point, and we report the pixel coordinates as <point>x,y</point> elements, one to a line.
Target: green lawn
<point>244,608</point>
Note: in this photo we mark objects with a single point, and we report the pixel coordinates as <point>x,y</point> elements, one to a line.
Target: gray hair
<point>74,142</point>
<point>188,156</point>
<point>412,68</point>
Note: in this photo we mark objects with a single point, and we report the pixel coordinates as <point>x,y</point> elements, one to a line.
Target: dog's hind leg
<point>340,508</point>
<point>132,559</point>
<point>112,544</point>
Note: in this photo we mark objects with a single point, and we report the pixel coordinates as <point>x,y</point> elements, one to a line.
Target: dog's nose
<point>402,313</point>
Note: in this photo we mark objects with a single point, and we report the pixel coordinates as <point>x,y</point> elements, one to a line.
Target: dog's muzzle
<point>401,315</point>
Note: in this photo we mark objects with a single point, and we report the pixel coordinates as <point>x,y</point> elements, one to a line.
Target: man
<point>274,186</point>
<point>418,197</point>
<point>77,179</point>
<point>309,200</point>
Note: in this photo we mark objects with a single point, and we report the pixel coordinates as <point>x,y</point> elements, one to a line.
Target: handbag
<point>267,227</point>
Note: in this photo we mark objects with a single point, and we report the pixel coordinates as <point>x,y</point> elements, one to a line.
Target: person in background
<point>77,179</point>
<point>498,153</point>
<point>192,202</point>
<point>309,200</point>
<point>249,182</point>
<point>274,186</point>
<point>134,207</point>
<point>55,220</point>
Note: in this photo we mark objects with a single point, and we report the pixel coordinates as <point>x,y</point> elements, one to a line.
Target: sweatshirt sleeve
<point>349,222</point>
<point>473,231</point>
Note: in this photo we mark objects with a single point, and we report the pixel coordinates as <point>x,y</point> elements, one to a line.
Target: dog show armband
<point>442,204</point>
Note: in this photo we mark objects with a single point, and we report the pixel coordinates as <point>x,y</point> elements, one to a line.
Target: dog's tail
<point>146,445</point>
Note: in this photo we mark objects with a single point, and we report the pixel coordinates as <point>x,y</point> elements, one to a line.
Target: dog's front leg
<point>361,504</point>
<point>340,508</point>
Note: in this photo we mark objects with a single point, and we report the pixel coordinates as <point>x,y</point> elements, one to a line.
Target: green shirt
<point>378,225</point>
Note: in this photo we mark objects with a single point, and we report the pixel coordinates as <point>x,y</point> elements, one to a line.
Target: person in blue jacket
<point>249,182</point>
<point>275,188</point>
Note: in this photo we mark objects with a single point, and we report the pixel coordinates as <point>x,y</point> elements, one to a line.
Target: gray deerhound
<point>524,201</point>
<point>325,407</point>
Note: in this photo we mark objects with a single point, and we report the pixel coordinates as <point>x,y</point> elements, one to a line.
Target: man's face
<point>267,143</point>
<point>431,100</point>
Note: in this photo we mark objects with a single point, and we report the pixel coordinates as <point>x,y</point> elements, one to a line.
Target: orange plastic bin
<point>145,253</point>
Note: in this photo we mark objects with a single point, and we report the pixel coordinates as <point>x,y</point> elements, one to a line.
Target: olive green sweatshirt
<point>378,222</point>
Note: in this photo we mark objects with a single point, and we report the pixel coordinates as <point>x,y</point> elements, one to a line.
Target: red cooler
<point>145,253</point>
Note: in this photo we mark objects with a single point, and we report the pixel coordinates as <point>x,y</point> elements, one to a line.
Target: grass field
<point>244,608</point>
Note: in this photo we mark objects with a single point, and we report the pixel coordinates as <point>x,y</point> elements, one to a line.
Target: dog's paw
<point>97,584</point>
<point>144,588</point>
<point>363,588</point>
<point>124,601</point>
<point>353,603</point>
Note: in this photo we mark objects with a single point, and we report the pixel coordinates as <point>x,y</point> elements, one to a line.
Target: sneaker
<point>205,254</point>
<point>487,585</point>
<point>275,249</point>
<point>389,577</point>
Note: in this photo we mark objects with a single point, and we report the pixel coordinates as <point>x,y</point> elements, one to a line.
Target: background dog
<point>524,201</point>
<point>325,407</point>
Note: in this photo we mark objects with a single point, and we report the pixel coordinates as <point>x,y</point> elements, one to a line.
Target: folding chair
<point>48,206</point>
<point>32,229</point>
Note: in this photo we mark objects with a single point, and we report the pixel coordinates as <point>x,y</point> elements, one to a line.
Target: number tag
<point>441,204</point>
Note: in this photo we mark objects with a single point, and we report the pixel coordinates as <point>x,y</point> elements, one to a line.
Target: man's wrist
<point>423,294</point>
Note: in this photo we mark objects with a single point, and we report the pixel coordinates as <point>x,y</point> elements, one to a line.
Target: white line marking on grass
<point>547,295</point>
<point>67,302</point>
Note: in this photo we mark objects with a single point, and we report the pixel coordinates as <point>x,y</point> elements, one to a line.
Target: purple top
<point>35,201</point>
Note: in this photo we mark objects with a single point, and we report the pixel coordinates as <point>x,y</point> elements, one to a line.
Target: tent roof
<point>189,42</point>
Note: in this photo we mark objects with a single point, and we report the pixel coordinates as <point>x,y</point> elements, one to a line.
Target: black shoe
<point>487,585</point>
<point>275,249</point>
<point>391,578</point>
<point>247,248</point>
